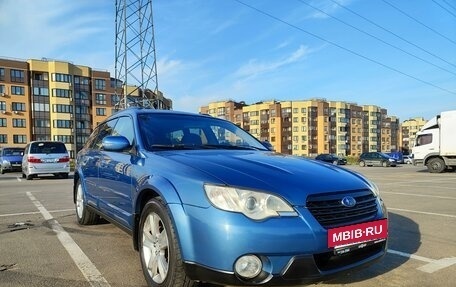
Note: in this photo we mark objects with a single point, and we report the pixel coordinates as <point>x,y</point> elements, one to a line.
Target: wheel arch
<point>154,187</point>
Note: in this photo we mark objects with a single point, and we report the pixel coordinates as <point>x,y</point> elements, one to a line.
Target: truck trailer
<point>435,144</point>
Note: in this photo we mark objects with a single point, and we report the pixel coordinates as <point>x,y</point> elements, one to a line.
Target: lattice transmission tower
<point>136,65</point>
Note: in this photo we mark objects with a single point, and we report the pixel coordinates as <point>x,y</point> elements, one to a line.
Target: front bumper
<point>300,269</point>
<point>293,250</point>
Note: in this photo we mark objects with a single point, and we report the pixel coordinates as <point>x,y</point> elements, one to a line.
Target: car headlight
<point>374,188</point>
<point>253,204</point>
<point>391,159</point>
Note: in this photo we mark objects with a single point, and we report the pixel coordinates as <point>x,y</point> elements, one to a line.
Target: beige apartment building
<point>409,129</point>
<point>56,100</point>
<point>311,127</point>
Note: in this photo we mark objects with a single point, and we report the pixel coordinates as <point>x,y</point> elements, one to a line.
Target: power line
<point>391,32</point>
<point>449,4</point>
<point>378,39</point>
<point>343,48</point>
<point>444,8</point>
<point>419,22</point>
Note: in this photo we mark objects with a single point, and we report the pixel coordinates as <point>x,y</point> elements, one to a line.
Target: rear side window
<point>47,148</point>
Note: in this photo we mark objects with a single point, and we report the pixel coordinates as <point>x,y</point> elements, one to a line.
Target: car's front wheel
<point>84,216</point>
<point>158,247</point>
<point>362,163</point>
<point>436,165</point>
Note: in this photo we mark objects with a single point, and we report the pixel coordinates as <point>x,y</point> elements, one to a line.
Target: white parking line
<point>88,269</point>
<point>419,195</point>
<point>432,266</point>
<point>35,212</point>
<point>422,212</point>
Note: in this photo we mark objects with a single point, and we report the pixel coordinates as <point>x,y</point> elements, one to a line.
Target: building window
<point>101,112</point>
<point>16,90</point>
<point>19,139</point>
<point>64,78</point>
<point>39,107</point>
<point>62,109</point>
<point>2,122</point>
<point>2,89</point>
<point>2,74</point>
<point>2,106</point>
<point>18,107</point>
<point>42,123</point>
<point>81,80</point>
<point>3,138</point>
<point>64,138</point>
<point>66,124</point>
<point>17,76</point>
<point>61,93</point>
<point>100,84</point>
<point>37,91</point>
<point>19,123</point>
<point>100,99</point>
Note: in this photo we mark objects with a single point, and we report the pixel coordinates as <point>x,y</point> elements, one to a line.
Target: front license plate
<point>358,234</point>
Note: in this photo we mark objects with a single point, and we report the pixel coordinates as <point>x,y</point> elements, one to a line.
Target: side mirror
<point>268,145</point>
<point>115,143</point>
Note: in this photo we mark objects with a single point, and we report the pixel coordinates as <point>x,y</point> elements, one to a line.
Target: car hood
<point>289,176</point>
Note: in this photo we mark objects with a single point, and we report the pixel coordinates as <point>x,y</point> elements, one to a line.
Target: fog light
<point>248,266</point>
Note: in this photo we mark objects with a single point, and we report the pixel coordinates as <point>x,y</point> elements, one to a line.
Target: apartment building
<point>314,126</point>
<point>56,100</point>
<point>409,128</point>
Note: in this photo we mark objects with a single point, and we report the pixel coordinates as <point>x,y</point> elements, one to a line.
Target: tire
<point>384,164</point>
<point>83,215</point>
<point>436,165</point>
<point>64,175</point>
<point>23,175</point>
<point>158,248</point>
<point>29,177</point>
<point>362,163</point>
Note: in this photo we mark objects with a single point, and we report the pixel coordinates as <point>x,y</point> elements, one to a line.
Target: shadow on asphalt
<point>404,236</point>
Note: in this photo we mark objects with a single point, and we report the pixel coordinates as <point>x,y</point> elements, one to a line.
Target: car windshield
<point>12,151</point>
<point>170,131</point>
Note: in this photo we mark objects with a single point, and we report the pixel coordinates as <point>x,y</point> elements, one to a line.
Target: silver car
<point>45,157</point>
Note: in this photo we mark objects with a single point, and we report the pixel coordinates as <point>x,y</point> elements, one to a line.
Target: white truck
<point>435,144</point>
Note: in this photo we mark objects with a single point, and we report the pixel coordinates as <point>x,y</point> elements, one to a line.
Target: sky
<point>395,54</point>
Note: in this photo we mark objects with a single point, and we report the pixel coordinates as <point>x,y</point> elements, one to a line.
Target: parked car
<point>408,159</point>
<point>376,159</point>
<point>204,201</point>
<point>331,158</point>
<point>45,157</point>
<point>10,159</point>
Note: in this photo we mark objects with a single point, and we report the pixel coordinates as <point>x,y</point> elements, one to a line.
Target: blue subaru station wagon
<point>206,202</point>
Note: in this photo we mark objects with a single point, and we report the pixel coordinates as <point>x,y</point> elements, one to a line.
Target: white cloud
<point>254,67</point>
<point>51,28</point>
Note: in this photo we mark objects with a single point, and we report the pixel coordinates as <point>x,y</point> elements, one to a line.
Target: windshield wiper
<point>237,147</point>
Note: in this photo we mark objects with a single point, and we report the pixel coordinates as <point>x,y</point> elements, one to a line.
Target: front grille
<point>329,211</point>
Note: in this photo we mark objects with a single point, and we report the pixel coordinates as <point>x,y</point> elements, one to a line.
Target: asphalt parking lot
<point>42,245</point>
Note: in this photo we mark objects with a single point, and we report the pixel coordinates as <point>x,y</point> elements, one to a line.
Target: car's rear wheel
<point>29,177</point>
<point>158,248</point>
<point>362,163</point>
<point>84,216</point>
<point>2,171</point>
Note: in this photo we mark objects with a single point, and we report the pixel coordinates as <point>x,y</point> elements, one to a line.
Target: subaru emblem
<point>348,201</point>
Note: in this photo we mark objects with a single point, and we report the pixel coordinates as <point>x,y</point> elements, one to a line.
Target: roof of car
<point>137,110</point>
